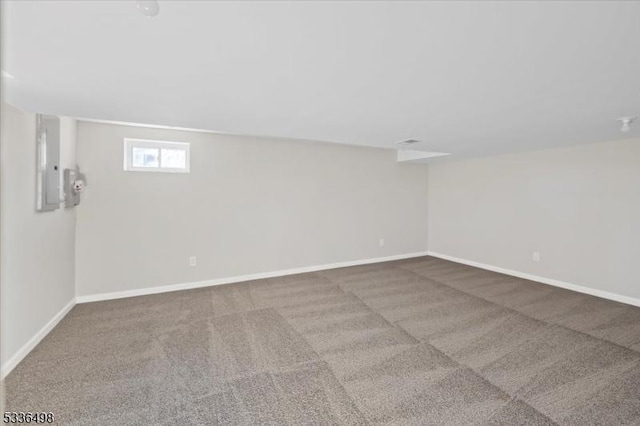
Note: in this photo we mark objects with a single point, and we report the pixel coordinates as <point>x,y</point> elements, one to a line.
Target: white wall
<point>579,207</point>
<point>38,249</point>
<point>249,205</point>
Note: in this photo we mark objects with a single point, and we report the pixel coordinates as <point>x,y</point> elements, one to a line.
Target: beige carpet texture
<point>421,341</point>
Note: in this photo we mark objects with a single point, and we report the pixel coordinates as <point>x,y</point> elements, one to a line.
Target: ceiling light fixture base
<point>149,8</point>
<point>626,123</point>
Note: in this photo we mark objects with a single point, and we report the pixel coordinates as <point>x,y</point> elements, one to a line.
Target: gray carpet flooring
<point>413,342</point>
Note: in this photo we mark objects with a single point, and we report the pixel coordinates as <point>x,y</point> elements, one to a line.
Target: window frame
<point>131,143</point>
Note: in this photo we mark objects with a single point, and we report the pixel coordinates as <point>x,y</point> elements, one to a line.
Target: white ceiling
<point>470,78</point>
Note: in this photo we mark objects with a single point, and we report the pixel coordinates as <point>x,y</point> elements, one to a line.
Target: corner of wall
<point>48,291</point>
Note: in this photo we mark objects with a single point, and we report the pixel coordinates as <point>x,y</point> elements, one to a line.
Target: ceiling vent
<point>408,142</point>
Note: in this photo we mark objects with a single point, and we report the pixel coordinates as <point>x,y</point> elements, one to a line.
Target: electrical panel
<point>48,167</point>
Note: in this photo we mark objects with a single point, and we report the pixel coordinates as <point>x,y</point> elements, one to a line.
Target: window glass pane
<point>156,156</point>
<point>174,158</point>
<point>145,157</point>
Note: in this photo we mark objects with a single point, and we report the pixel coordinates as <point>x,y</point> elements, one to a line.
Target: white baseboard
<point>11,363</point>
<point>236,279</point>
<point>556,283</point>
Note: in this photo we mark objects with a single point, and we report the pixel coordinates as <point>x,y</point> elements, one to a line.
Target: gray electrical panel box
<point>48,167</point>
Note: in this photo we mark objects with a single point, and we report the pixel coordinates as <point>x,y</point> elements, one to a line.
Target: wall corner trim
<point>550,281</point>
<point>12,362</point>
<point>237,279</point>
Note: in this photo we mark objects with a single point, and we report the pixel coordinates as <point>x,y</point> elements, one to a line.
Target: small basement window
<point>142,155</point>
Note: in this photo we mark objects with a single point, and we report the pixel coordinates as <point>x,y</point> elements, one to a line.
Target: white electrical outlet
<point>381,242</point>
<point>536,256</point>
<point>193,261</point>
